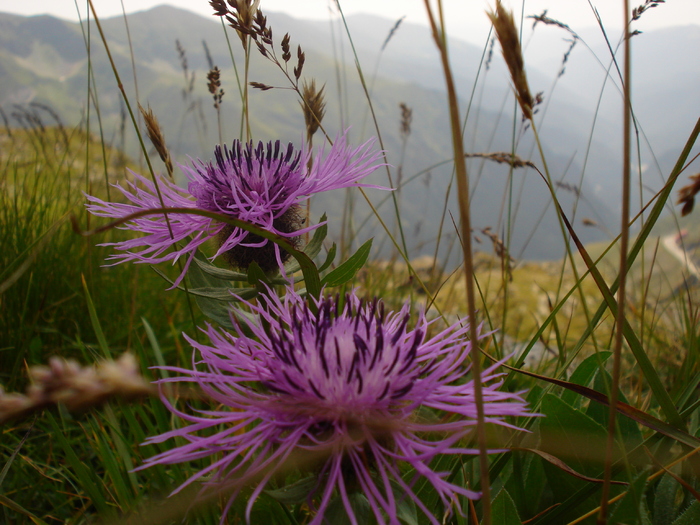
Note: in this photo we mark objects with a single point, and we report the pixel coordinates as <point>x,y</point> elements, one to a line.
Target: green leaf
<point>569,433</point>
<point>346,271</point>
<point>219,273</point>
<point>101,339</point>
<point>330,256</point>
<point>256,276</point>
<point>405,507</point>
<point>297,492</point>
<point>337,515</point>
<point>84,475</point>
<point>217,293</point>
<point>691,516</point>
<point>628,510</point>
<point>583,375</point>
<point>20,510</point>
<point>503,510</point>
<point>665,500</point>
<point>628,428</point>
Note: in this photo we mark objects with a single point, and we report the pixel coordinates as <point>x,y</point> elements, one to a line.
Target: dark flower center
<point>242,256</point>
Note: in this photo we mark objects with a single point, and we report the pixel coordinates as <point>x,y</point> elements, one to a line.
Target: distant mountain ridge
<point>44,59</point>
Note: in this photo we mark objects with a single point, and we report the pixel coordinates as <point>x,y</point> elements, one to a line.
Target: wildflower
<point>342,380</point>
<point>261,184</point>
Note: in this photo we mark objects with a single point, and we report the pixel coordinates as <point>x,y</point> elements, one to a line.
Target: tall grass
<point>605,342</point>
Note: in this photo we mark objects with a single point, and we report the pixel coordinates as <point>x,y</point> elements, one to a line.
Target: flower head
<point>260,184</point>
<point>342,380</point>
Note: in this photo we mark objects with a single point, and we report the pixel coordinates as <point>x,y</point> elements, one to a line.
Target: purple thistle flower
<point>263,185</point>
<point>343,380</point>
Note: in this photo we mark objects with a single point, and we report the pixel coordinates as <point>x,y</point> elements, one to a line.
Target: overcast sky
<point>466,18</point>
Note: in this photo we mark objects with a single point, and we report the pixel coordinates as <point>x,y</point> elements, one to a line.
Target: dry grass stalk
<point>157,138</point>
<point>463,200</point>
<point>313,106</point>
<point>507,34</point>
<point>546,20</point>
<point>686,195</point>
<point>189,78</point>
<point>543,18</point>
<point>569,187</point>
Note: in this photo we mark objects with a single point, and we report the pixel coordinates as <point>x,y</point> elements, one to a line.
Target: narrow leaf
<point>101,339</point>
<point>566,468</point>
<point>346,271</point>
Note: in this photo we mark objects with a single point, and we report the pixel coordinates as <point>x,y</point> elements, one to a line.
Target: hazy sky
<point>466,18</point>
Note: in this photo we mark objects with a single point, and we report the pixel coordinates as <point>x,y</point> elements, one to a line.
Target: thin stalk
<point>235,70</point>
<point>624,242</point>
<point>439,36</point>
<point>246,99</point>
<point>376,126</point>
<point>141,142</point>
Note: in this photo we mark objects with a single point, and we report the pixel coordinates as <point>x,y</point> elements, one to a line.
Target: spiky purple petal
<point>344,378</point>
<point>257,184</point>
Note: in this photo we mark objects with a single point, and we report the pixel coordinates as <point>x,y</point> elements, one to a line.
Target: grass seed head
<point>313,106</point>
<point>686,195</point>
<point>157,138</point>
<point>508,36</point>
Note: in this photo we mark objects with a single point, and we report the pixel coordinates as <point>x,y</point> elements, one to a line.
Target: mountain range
<point>45,60</point>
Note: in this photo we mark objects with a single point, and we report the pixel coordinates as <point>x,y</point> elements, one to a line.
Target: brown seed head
<point>313,105</point>
<point>648,4</point>
<point>301,58</point>
<point>686,195</point>
<point>507,34</point>
<point>503,158</point>
<point>406,119</point>
<point>157,138</point>
<point>214,85</point>
<point>260,86</point>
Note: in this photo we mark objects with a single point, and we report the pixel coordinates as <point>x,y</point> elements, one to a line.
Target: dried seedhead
<point>503,158</point>
<point>648,4</point>
<point>76,387</point>
<point>500,250</point>
<point>313,106</point>
<point>392,32</point>
<point>243,16</point>
<point>157,138</point>
<point>489,56</point>
<point>248,20</point>
<point>507,34</point>
<point>543,18</point>
<point>301,58</point>
<point>286,50</point>
<point>569,187</point>
<point>406,120</point>
<point>260,86</point>
<point>686,195</point>
<point>214,85</point>
<point>546,20</point>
